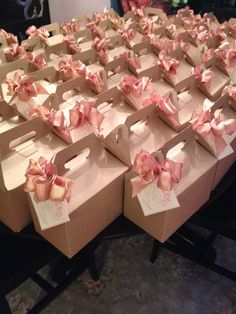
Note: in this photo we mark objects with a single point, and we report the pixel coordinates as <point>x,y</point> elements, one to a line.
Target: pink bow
<point>213,129</point>
<point>226,54</point>
<point>96,81</point>
<point>38,62</point>
<point>166,106</point>
<point>24,87</point>
<point>10,38</point>
<point>231,91</point>
<point>101,47</point>
<point>73,45</point>
<point>97,30</point>
<point>14,52</point>
<point>205,76</point>
<point>152,99</point>
<point>84,112</point>
<point>71,27</point>
<point>70,69</point>
<point>41,32</point>
<point>116,23</point>
<point>103,16</point>
<point>207,55</point>
<point>128,35</point>
<point>134,86</point>
<point>149,169</point>
<point>148,25</point>
<point>41,180</point>
<point>137,11</point>
<point>167,63</point>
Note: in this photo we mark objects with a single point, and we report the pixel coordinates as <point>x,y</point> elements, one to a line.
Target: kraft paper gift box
<point>85,39</point>
<point>183,78</point>
<point>29,140</point>
<point>109,31</point>
<point>216,84</point>
<point>149,11</point>
<point>57,37</point>
<point>138,36</point>
<point>141,130</point>
<point>160,86</point>
<point>147,58</point>
<point>96,200</point>
<point>184,104</point>
<point>77,120</point>
<point>3,58</point>
<point>9,117</point>
<point>115,70</point>
<point>174,27</point>
<point>192,191</point>
<point>91,59</point>
<point>7,70</point>
<point>46,79</point>
<point>117,47</point>
<point>228,157</point>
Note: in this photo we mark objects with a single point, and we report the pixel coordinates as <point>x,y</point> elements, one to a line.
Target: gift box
<point>228,156</point>
<point>176,70</point>
<point>176,109</point>
<point>141,129</point>
<point>211,81</point>
<point>30,139</point>
<point>146,58</point>
<point>108,29</point>
<point>117,47</point>
<point>90,209</point>
<point>9,117</point>
<point>192,191</point>
<point>149,11</point>
<point>95,73</point>
<point>26,92</point>
<point>7,70</point>
<point>56,36</point>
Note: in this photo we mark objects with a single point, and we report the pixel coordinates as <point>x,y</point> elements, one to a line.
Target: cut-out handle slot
<point>79,84</point>
<point>22,141</point>
<point>78,161</point>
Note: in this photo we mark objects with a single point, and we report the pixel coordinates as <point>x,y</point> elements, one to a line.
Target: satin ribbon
<point>41,32</point>
<point>165,173</point>
<point>205,76</point>
<point>10,38</point>
<point>70,27</point>
<point>148,24</point>
<point>167,63</point>
<point>46,185</point>
<point>24,87</point>
<point>103,16</point>
<point>128,35</point>
<point>101,47</point>
<point>172,28</point>
<point>137,11</point>
<point>96,81</point>
<point>70,69</point>
<point>231,91</point>
<point>14,52</point>
<point>97,30</point>
<point>38,62</point>
<point>133,86</point>
<point>84,112</point>
<point>170,45</point>
<point>207,55</point>
<point>226,54</point>
<point>116,23</point>
<point>213,129</point>
<point>73,45</point>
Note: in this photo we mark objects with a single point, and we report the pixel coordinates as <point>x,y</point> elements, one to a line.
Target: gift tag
<point>50,214</point>
<point>227,151</point>
<point>153,200</point>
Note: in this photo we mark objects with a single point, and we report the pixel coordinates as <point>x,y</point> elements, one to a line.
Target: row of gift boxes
<point>97,192</point>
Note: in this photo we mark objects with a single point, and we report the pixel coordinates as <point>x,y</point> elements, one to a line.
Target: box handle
<point>20,64</point>
<point>87,57</point>
<point>74,150</point>
<point>54,28</point>
<point>48,74</point>
<point>142,114</point>
<point>221,102</point>
<point>111,95</point>
<point>85,34</point>
<point>187,136</point>
<point>7,111</point>
<point>36,125</point>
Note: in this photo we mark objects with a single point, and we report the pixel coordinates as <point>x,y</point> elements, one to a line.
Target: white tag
<point>153,200</point>
<point>227,151</point>
<point>50,214</point>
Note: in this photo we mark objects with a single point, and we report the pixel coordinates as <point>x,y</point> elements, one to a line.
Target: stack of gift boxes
<point>112,115</point>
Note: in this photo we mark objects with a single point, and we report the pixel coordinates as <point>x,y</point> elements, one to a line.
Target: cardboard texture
<point>30,139</point>
<point>218,82</point>
<point>148,59</point>
<point>9,117</point>
<point>183,79</point>
<point>192,191</point>
<point>90,210</point>
<point>225,163</point>
<point>141,130</point>
<point>185,102</point>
